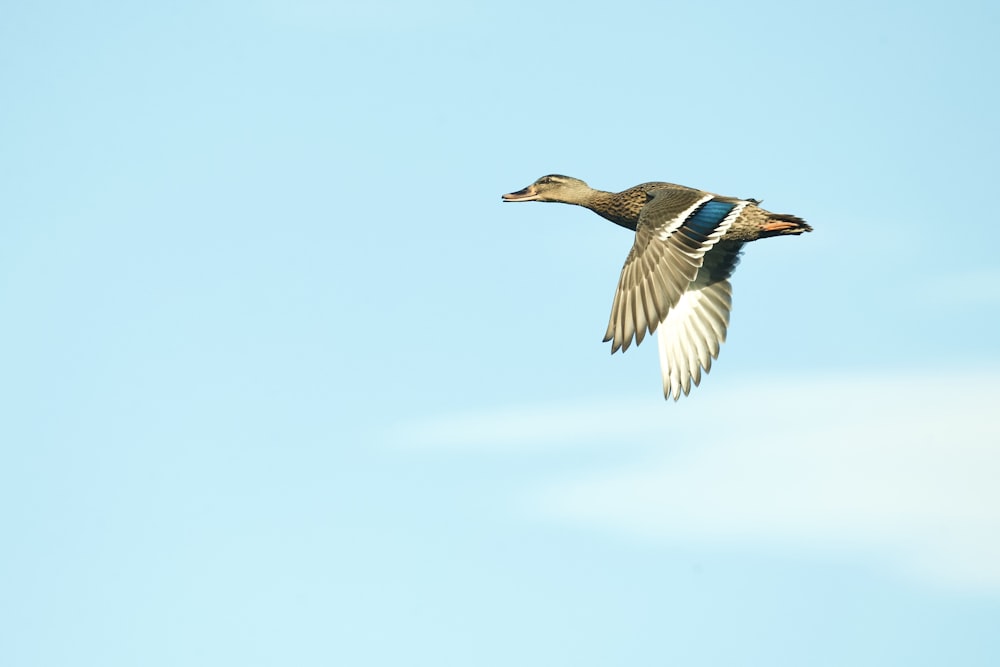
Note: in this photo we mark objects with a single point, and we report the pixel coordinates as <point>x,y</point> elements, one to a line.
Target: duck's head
<point>553,187</point>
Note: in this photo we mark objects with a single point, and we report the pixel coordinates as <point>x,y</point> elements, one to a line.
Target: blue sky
<point>283,382</point>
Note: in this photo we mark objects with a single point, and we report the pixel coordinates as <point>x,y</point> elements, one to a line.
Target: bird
<point>675,281</point>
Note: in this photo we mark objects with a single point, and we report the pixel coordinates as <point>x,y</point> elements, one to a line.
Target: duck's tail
<point>778,224</point>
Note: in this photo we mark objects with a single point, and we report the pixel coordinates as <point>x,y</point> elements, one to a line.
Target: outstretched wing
<point>694,329</point>
<point>675,230</point>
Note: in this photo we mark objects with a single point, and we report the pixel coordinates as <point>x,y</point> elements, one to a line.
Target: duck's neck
<point>616,207</point>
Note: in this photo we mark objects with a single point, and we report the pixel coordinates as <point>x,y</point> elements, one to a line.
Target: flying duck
<point>676,277</point>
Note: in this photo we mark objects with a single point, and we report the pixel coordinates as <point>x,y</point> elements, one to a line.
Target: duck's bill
<point>527,194</point>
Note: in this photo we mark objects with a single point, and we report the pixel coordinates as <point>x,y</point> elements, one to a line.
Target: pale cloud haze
<point>900,469</point>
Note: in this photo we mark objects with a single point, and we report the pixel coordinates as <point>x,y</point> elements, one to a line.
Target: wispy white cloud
<point>903,468</point>
<point>534,426</point>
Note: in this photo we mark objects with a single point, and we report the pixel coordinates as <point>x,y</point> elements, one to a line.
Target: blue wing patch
<point>708,216</point>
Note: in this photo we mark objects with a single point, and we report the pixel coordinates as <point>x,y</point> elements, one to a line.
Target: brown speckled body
<point>623,208</point>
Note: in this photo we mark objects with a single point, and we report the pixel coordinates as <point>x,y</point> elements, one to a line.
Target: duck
<point>675,281</point>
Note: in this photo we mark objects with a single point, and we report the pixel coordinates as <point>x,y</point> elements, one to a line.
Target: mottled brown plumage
<point>623,208</point>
